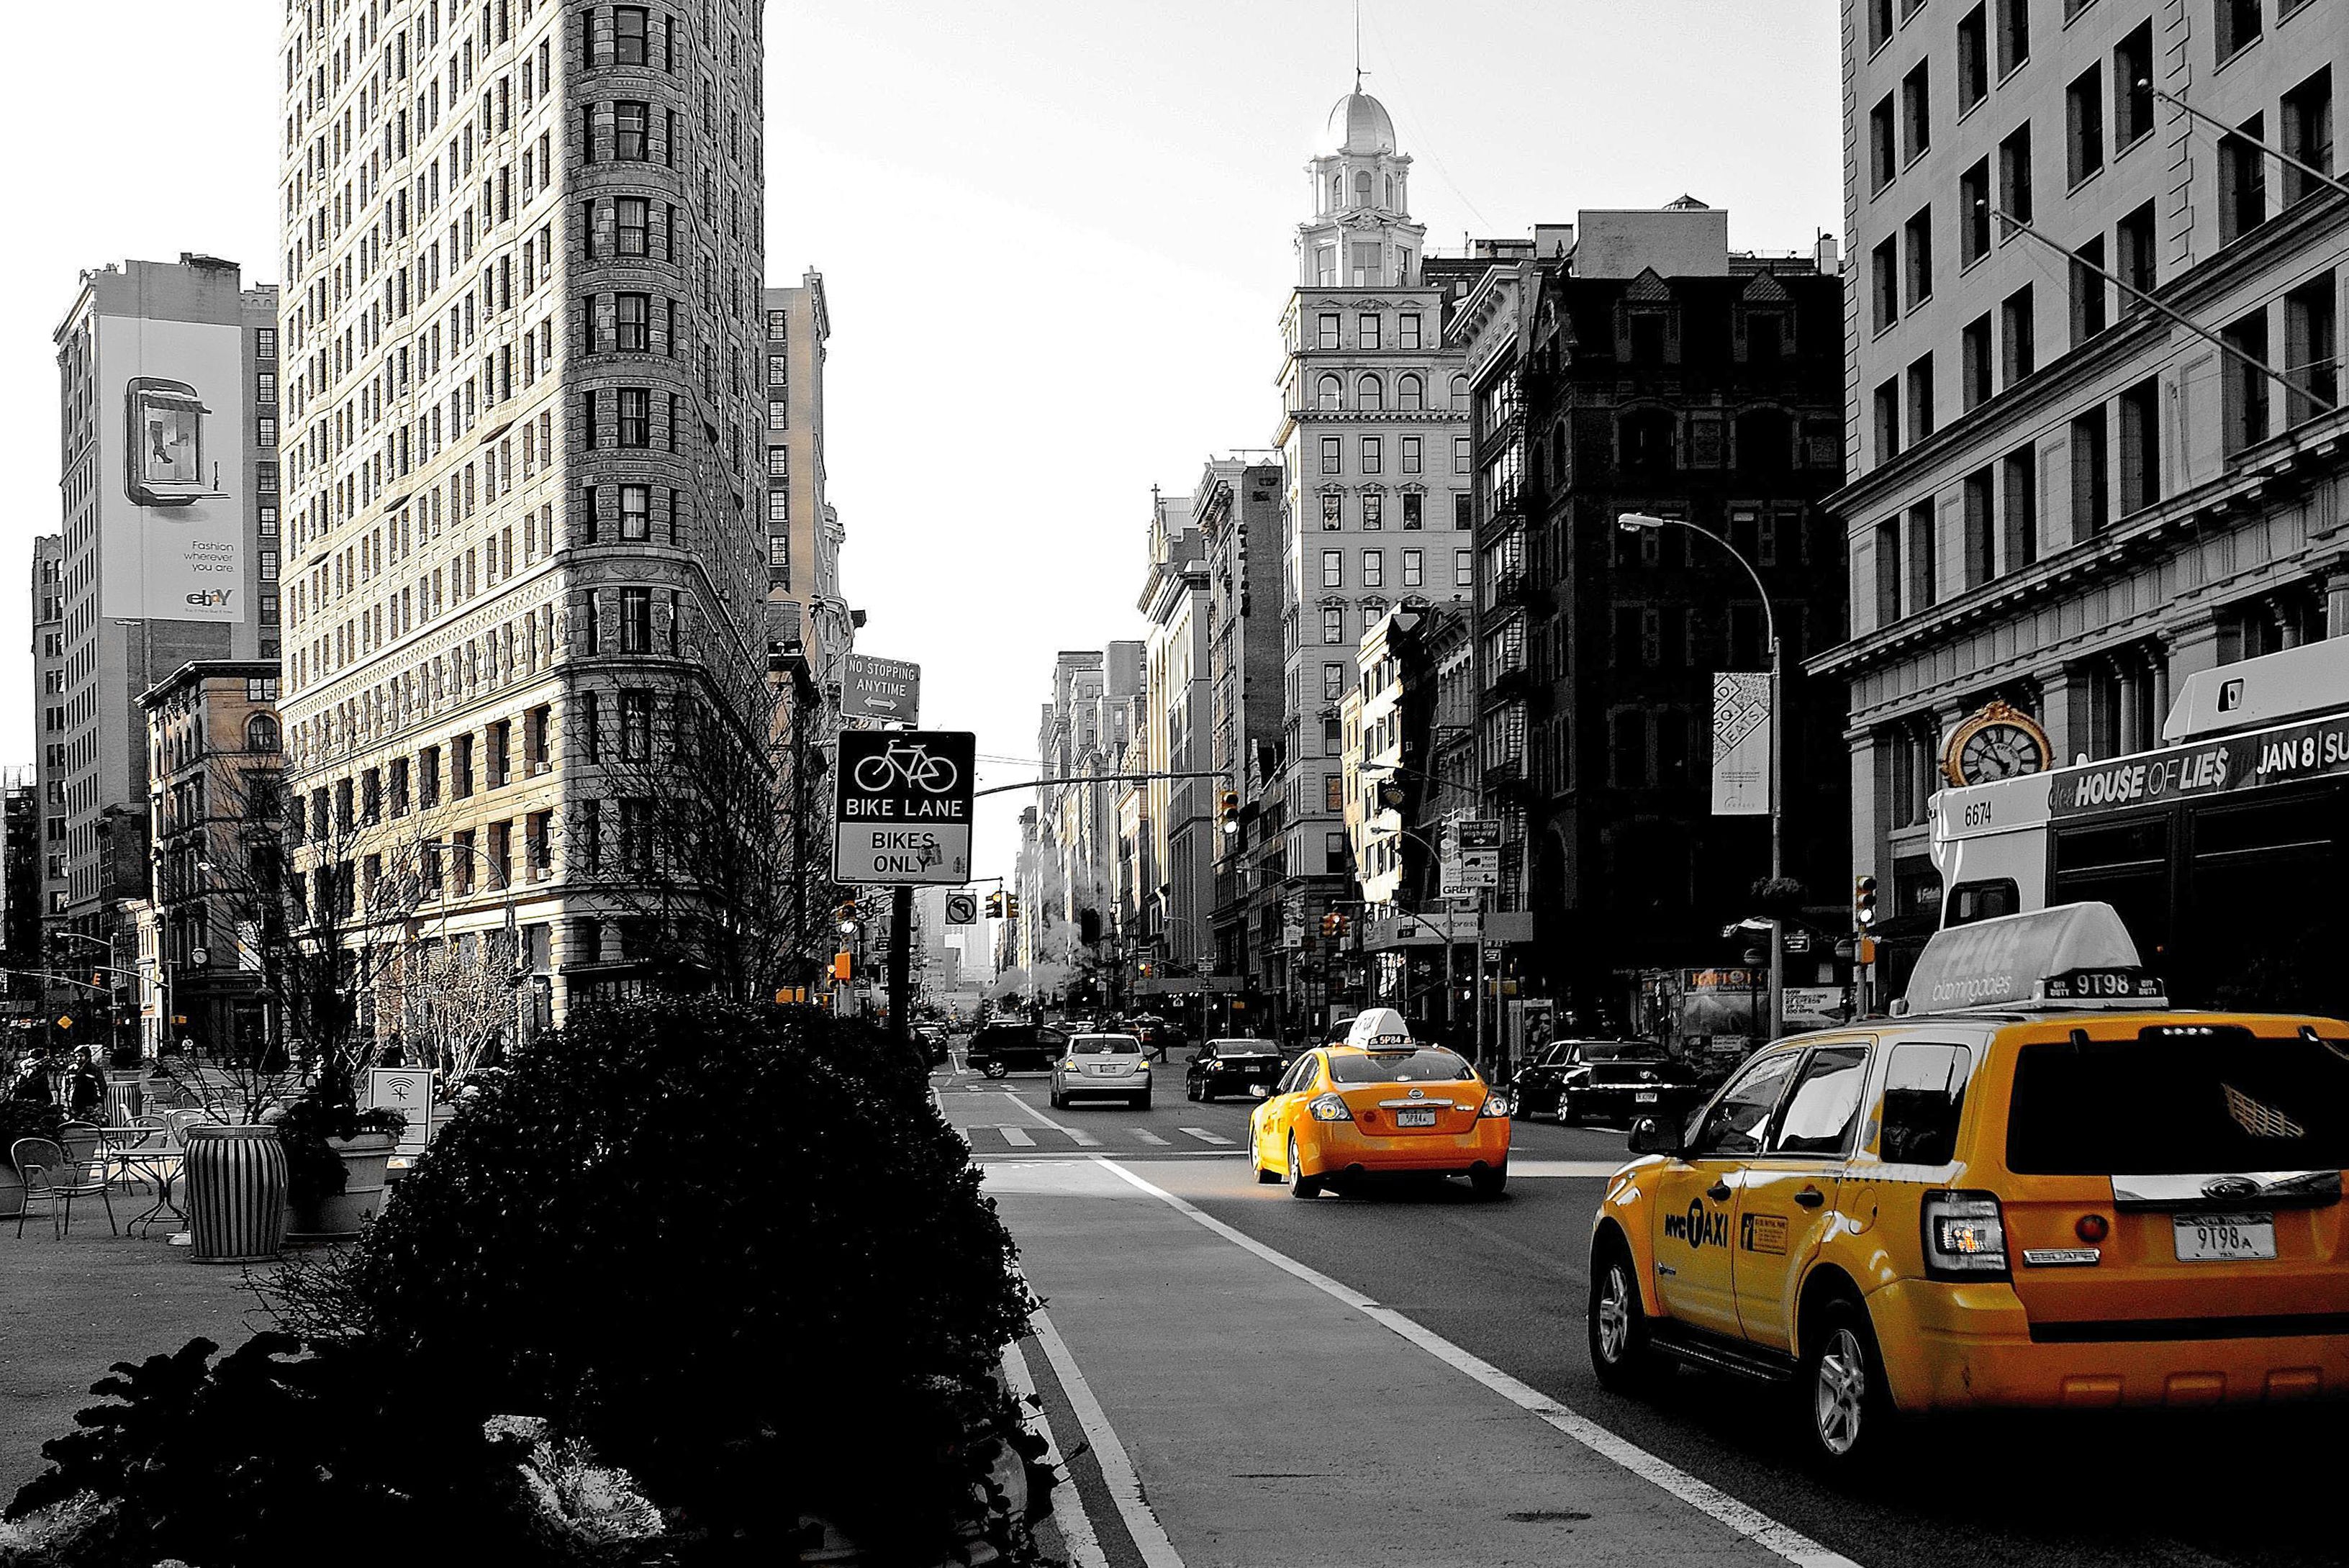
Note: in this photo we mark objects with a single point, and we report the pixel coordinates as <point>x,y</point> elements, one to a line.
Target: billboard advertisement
<point>171,477</point>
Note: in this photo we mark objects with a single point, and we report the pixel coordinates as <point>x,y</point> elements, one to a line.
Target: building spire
<point>1358,46</point>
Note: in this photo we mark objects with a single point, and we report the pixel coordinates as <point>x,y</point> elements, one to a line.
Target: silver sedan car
<point>1102,1067</point>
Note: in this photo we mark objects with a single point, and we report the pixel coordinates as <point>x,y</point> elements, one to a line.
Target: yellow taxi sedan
<point>1380,1104</point>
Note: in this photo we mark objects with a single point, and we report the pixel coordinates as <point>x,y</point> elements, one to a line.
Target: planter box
<point>342,1214</point>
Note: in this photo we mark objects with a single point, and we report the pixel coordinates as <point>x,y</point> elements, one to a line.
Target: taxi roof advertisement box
<point>171,452</point>
<point>885,689</point>
<point>902,814</point>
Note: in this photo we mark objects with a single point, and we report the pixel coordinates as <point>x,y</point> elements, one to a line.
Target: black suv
<point>1232,1066</point>
<point>1615,1081</point>
<point>1001,1048</point>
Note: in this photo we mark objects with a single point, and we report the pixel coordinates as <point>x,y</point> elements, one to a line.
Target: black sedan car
<point>1613,1081</point>
<point>1232,1066</point>
<point>1001,1048</point>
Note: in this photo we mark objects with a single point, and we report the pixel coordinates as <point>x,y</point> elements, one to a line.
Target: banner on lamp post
<point>1740,744</point>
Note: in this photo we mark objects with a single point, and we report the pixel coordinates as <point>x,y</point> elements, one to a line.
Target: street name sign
<point>885,689</point>
<point>1473,857</point>
<point>902,810</point>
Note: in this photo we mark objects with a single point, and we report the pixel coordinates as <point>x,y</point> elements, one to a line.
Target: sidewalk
<point>1269,1421</point>
<point>72,1308</point>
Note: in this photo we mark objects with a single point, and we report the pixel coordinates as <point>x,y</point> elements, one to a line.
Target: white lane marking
<point>1083,1139</point>
<point>1204,1136</point>
<point>1076,1525</point>
<point>1149,1137</point>
<point>1586,1169</point>
<point>1149,1536</point>
<point>1780,1540</point>
<point>1019,1137</point>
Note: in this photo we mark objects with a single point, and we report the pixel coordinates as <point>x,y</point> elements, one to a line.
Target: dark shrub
<point>737,1249</point>
<point>28,1119</point>
<point>313,1168</point>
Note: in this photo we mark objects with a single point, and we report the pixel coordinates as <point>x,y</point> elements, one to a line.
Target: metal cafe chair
<point>57,1177</point>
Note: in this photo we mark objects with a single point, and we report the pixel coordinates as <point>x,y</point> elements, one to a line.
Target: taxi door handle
<point>1718,1191</point>
<point>1810,1197</point>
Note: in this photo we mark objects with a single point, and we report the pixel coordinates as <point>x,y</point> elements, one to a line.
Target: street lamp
<point>1645,523</point>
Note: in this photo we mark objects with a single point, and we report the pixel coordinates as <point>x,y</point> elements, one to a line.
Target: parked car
<point>1609,1080</point>
<point>1232,1066</point>
<point>1001,1048</point>
<point>1102,1067</point>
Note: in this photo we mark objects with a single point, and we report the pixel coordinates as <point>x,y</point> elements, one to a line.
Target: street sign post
<point>902,810</point>
<point>889,690</point>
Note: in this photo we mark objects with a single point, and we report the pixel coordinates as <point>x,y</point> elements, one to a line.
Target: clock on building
<point>2001,741</point>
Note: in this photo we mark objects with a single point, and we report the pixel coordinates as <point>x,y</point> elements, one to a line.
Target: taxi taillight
<point>1965,1237</point>
<point>2092,1228</point>
<point>1329,1107</point>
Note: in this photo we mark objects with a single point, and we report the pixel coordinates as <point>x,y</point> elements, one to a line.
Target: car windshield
<point>2173,1104</point>
<point>1243,1048</point>
<point>1110,1045</point>
<point>1425,1065</point>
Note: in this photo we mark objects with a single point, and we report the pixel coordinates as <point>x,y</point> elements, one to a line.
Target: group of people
<point>85,1086</point>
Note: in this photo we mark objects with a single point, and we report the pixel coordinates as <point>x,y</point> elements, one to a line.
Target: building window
<point>1370,394</point>
<point>1333,623</point>
<point>1464,568</point>
<point>2091,495</point>
<point>2133,258</point>
<point>1407,329</point>
<point>2242,181</point>
<point>1411,394</point>
<point>264,343</point>
<point>460,767</point>
<point>1332,514</point>
<point>635,221</point>
<point>1884,276</point>
<point>2140,411</point>
<point>628,36</point>
<point>1370,454</point>
<point>1459,454</point>
<point>2133,86</point>
<point>1366,331</point>
<point>1883,150</point>
<point>2015,174</point>
<point>1333,852</point>
<point>632,324</point>
<point>1412,463</point>
<point>2018,337</point>
<point>1333,454</point>
<point>1879,24</point>
<point>1888,573</point>
<point>1981,563</point>
<point>631,136</point>
<point>2019,507</point>
<point>1916,115</point>
<point>1919,235</point>
<point>2088,287</point>
<point>1329,393</point>
<point>1333,787</point>
<point>1413,567</point>
<point>1974,58</point>
<point>2245,389</point>
<point>1463,518</point>
<point>1973,214</point>
<point>1374,569</point>
<point>265,430</point>
<point>636,511</point>
<point>1333,569</point>
<point>1974,362</point>
<point>2311,347</point>
<point>2238,25</point>
<point>2083,108</point>
<point>1923,554</point>
<point>779,324</point>
<point>2307,128</point>
<point>501,754</point>
<point>2013,33</point>
<point>1327,334</point>
<point>1373,510</point>
<point>635,725</point>
<point>636,620</point>
<point>1333,682</point>
<point>635,427</point>
<point>1413,504</point>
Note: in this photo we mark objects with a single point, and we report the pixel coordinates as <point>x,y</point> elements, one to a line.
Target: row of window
<point>1334,616</point>
<point>1372,573</point>
<point>1370,331</point>
<point>1370,392</point>
<point>1370,511</point>
<point>1370,454</point>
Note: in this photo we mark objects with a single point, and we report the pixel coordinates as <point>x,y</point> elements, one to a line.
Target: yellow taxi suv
<point>2036,1187</point>
<point>1380,1104</point>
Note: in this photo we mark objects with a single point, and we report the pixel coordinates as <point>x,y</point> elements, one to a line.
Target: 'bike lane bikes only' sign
<point>902,813</point>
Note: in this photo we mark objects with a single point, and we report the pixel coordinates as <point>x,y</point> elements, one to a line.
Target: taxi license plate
<point>2214,1238</point>
<point>1423,1118</point>
<point>1645,1097</point>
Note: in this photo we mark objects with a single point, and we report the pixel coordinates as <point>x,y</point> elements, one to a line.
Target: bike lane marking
<point>1018,1136</point>
<point>1780,1540</point>
<point>1117,1470</point>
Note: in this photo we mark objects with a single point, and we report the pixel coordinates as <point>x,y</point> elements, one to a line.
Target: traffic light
<point>995,905</point>
<point>847,915</point>
<point>1863,902</point>
<point>1011,906</point>
<point>1227,810</point>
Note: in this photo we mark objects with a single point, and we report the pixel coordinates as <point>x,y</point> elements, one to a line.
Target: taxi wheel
<point>1300,1185</point>
<point>1843,1402</point>
<point>1619,1324</point>
<point>1489,1181</point>
<point>1265,1176</point>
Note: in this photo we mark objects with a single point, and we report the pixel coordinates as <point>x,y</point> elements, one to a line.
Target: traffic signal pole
<point>901,964</point>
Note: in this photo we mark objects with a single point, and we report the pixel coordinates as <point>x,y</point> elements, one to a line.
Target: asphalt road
<point>1507,1280</point>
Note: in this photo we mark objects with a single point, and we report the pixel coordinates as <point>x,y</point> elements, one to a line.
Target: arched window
<point>1411,394</point>
<point>1329,392</point>
<point>1370,395</point>
<point>1361,188</point>
<point>261,733</point>
<point>1390,192</point>
<point>1337,191</point>
<point>1459,394</point>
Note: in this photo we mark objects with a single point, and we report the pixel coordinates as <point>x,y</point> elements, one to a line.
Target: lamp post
<point>513,929</point>
<point>1640,522</point>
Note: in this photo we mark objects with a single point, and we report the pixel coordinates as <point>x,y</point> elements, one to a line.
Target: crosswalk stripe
<point>1204,1136</point>
<point>1083,1139</point>
<point>1018,1136</point>
<point>1150,1138</point>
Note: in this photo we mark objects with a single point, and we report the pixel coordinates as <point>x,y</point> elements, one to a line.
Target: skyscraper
<point>523,431</point>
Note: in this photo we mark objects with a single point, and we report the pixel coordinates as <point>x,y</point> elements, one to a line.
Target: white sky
<point>1054,236</point>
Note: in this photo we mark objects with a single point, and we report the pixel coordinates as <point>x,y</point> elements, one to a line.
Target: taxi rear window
<point>1399,1067</point>
<point>2179,1103</point>
<point>1097,1044</point>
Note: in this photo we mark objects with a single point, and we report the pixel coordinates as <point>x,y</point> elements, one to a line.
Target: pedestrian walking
<point>85,1089</point>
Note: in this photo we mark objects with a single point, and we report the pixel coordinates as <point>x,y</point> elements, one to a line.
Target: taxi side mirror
<point>1650,1136</point>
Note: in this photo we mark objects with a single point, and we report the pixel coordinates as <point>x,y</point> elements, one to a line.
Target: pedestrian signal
<point>839,970</point>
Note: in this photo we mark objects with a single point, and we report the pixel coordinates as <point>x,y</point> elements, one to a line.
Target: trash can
<point>237,1193</point>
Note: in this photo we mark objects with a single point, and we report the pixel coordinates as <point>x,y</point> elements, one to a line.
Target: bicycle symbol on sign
<point>909,763</point>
